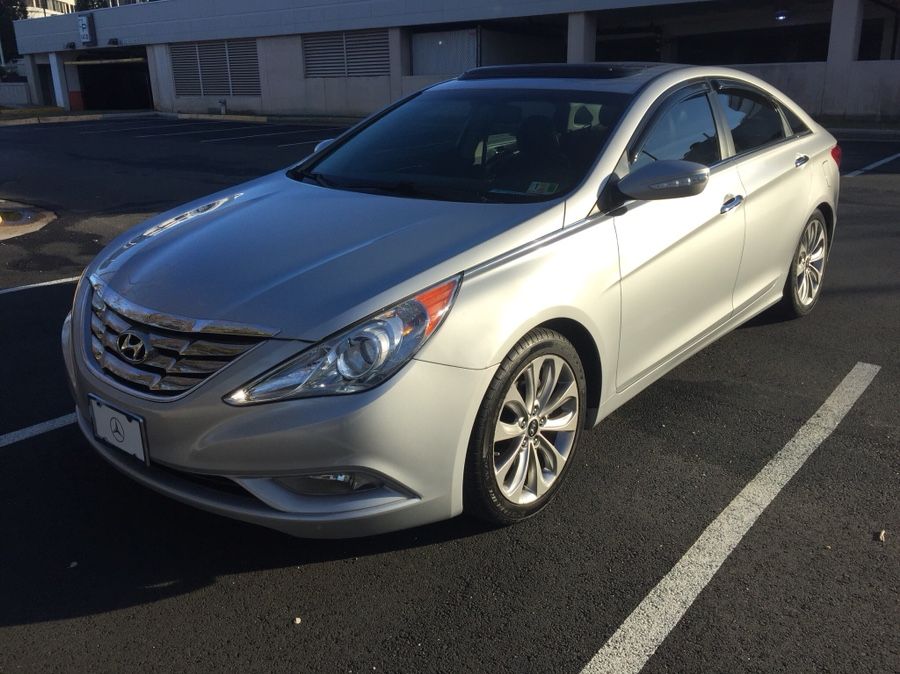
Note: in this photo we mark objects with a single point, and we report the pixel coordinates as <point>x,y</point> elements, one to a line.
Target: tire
<point>502,484</point>
<point>803,286</point>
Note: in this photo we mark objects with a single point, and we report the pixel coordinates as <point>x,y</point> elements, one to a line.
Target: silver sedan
<point>422,317</point>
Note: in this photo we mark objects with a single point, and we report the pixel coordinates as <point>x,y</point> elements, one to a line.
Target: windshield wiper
<point>314,177</point>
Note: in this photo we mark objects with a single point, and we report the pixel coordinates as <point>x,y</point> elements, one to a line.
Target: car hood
<point>305,260</point>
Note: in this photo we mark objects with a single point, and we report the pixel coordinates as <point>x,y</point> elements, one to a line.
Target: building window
<point>358,53</point>
<point>227,68</point>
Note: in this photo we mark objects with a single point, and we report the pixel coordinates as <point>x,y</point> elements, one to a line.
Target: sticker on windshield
<point>542,188</point>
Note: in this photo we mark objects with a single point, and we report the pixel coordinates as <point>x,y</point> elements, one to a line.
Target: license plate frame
<point>119,429</point>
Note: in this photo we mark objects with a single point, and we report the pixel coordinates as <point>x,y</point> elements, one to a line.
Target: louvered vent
<point>323,55</point>
<point>243,65</point>
<point>185,70</point>
<point>213,69</point>
<point>368,53</point>
<point>361,53</point>
<point>228,68</point>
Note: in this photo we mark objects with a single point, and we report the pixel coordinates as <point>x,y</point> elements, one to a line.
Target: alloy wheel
<point>810,263</point>
<point>536,429</point>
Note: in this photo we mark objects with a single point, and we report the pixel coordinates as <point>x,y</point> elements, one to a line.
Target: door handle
<point>731,203</point>
<point>800,160</point>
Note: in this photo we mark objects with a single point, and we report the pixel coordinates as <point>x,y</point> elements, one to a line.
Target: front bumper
<point>413,431</point>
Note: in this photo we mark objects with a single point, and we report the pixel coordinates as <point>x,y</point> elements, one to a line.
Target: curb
<point>56,119</point>
<point>837,132</point>
<point>322,120</point>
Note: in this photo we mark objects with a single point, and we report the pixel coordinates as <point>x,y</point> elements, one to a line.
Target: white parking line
<point>162,124</point>
<point>305,142</point>
<point>188,133</point>
<point>276,133</point>
<point>872,166</point>
<point>16,289</point>
<point>637,639</point>
<point>37,429</point>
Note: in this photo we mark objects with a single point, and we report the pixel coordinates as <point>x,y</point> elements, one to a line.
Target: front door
<point>679,258</point>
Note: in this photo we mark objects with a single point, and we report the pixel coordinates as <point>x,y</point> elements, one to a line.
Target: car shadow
<point>81,539</point>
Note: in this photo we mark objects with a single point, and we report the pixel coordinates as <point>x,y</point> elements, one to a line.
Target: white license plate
<point>119,429</point>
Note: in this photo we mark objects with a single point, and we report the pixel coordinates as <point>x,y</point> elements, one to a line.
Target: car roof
<point>621,77</point>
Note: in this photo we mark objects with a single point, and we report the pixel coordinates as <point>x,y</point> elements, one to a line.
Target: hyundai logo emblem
<point>131,347</point>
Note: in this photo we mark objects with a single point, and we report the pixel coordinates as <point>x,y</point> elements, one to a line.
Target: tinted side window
<point>753,119</point>
<point>685,131</point>
<point>796,124</point>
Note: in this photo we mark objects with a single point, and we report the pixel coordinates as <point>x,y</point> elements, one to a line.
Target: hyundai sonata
<point>422,317</point>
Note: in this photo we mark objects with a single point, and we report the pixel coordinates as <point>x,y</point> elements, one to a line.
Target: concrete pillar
<point>843,50</point>
<point>846,25</point>
<point>582,38</point>
<point>162,85</point>
<point>398,41</point>
<point>34,85</point>
<point>60,85</point>
<point>887,36</point>
<point>73,82</point>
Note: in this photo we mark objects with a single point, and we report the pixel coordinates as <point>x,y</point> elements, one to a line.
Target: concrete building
<point>38,9</point>
<point>350,57</point>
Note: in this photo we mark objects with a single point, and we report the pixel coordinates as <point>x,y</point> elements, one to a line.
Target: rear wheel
<point>804,283</point>
<point>526,430</point>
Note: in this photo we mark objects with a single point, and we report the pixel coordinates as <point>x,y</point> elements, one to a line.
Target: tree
<point>82,5</point>
<point>10,10</point>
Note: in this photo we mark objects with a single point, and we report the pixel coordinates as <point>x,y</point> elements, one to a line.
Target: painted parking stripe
<point>161,124</point>
<point>16,289</point>
<point>37,429</point>
<point>188,133</point>
<point>303,142</point>
<point>275,133</point>
<point>873,166</point>
<point>637,639</point>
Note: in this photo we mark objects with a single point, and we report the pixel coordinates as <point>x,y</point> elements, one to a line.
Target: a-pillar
<point>582,38</point>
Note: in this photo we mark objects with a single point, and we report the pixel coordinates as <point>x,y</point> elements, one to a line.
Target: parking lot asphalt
<point>99,574</point>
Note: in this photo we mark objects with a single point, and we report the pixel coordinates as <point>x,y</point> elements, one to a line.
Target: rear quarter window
<point>753,119</point>
<point>796,124</point>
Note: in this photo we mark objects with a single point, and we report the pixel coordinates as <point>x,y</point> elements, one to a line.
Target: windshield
<point>475,145</point>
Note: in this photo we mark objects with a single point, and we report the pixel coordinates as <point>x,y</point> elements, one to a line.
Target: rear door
<point>678,257</point>
<point>774,164</point>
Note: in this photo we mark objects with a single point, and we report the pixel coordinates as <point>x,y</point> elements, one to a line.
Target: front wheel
<point>804,282</point>
<point>526,430</point>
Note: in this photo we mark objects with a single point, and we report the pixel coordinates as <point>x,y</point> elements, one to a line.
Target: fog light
<point>327,484</point>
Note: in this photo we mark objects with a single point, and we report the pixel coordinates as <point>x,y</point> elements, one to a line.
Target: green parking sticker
<point>542,188</point>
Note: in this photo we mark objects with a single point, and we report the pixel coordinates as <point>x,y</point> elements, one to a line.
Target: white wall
<point>803,82</point>
<point>189,21</point>
<point>284,90</point>
<point>502,48</point>
<point>868,89</point>
<point>14,94</point>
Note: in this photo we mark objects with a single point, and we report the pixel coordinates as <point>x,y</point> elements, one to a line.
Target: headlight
<point>358,358</point>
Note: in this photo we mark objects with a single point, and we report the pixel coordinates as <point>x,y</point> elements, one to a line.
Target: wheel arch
<point>589,354</point>
<point>828,212</point>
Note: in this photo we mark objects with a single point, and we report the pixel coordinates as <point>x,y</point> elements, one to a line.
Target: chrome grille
<point>171,361</point>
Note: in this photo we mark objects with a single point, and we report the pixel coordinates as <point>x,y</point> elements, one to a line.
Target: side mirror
<point>322,144</point>
<point>665,179</point>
